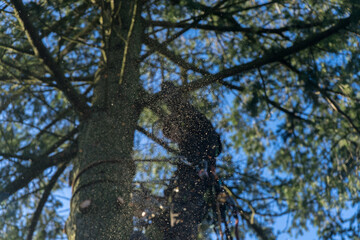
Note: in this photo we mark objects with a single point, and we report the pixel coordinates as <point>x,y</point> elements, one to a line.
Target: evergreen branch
<point>59,117</point>
<point>127,41</point>
<point>269,57</point>
<point>336,108</point>
<point>271,102</point>
<point>263,233</point>
<point>82,33</point>
<point>185,29</point>
<point>79,10</point>
<point>163,50</point>
<point>326,96</point>
<point>76,99</point>
<point>159,160</point>
<point>25,72</point>
<point>161,47</point>
<point>16,50</point>
<point>47,80</point>
<point>292,114</point>
<point>203,7</point>
<point>20,157</point>
<point>175,36</point>
<point>44,199</point>
<point>35,169</point>
<point>231,86</point>
<point>58,143</point>
<point>235,28</point>
<point>10,99</point>
<point>272,55</point>
<point>157,140</point>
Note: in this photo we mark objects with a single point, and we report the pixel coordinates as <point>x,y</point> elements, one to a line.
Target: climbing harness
<point>222,200</point>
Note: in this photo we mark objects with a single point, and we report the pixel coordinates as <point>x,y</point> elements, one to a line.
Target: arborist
<point>197,139</point>
<point>199,144</point>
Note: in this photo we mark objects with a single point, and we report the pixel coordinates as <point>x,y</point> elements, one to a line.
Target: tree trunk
<point>103,171</point>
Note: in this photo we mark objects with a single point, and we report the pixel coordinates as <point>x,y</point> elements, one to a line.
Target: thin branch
<point>58,143</point>
<point>171,160</point>
<point>76,99</point>
<point>288,112</point>
<point>82,33</point>
<point>59,117</point>
<point>230,86</point>
<point>262,233</point>
<point>79,10</point>
<point>235,28</point>
<point>271,56</point>
<point>134,15</point>
<point>35,169</point>
<point>46,80</point>
<point>20,157</point>
<point>273,103</point>
<point>157,140</point>
<point>163,50</point>
<point>264,89</point>
<point>185,29</point>
<point>10,99</point>
<point>44,199</point>
<point>25,72</point>
<point>335,106</point>
<point>17,50</point>
<point>326,96</point>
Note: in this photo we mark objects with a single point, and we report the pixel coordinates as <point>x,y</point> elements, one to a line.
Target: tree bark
<point>103,170</point>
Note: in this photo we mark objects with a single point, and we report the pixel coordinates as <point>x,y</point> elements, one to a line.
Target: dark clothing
<point>191,130</point>
<point>199,143</point>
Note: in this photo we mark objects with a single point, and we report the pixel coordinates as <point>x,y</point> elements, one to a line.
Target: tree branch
<point>196,20</point>
<point>157,140</point>
<point>25,72</point>
<point>271,56</point>
<point>335,106</point>
<point>273,103</point>
<point>76,99</point>
<point>234,28</point>
<point>288,112</point>
<point>262,233</point>
<point>61,141</point>
<point>19,157</point>
<point>79,11</point>
<point>59,117</point>
<point>82,33</point>
<point>162,49</point>
<point>17,50</point>
<point>43,200</point>
<point>326,96</point>
<point>46,80</point>
<point>36,168</point>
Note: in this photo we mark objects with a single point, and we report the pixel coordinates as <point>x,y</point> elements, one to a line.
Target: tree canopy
<point>80,93</point>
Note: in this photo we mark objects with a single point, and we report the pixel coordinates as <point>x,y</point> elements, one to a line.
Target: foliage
<point>279,80</point>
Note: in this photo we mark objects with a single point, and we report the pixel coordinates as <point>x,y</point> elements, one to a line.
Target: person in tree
<point>197,139</point>
<point>199,143</point>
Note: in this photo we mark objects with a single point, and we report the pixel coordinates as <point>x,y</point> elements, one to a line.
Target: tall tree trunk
<point>103,171</point>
